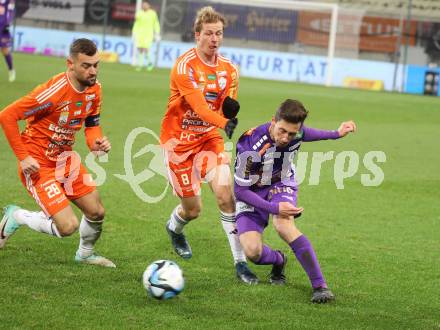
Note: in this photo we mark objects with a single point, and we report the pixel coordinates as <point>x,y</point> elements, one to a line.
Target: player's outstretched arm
<point>346,127</point>
<point>314,134</point>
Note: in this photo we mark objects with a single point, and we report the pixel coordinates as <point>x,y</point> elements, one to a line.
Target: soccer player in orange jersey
<point>203,90</point>
<point>50,171</point>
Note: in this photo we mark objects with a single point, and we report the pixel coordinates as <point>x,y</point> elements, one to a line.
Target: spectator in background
<point>7,11</point>
<point>146,29</point>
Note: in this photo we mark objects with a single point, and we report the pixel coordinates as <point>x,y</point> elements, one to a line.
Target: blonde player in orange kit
<point>203,87</point>
<point>50,171</point>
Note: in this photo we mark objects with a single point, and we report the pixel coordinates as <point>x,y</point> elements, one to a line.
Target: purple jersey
<point>260,163</point>
<point>7,10</point>
<point>262,169</point>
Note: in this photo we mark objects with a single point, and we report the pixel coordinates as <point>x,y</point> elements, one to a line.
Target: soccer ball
<point>163,279</point>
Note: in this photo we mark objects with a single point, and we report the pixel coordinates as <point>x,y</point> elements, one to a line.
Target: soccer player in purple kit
<point>7,10</point>
<point>265,184</point>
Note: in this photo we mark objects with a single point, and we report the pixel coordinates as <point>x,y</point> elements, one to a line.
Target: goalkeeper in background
<point>7,11</point>
<point>146,29</point>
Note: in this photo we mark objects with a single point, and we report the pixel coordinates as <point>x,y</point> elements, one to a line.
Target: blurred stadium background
<point>377,44</point>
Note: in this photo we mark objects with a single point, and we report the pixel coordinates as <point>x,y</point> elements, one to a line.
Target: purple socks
<point>269,257</point>
<point>8,59</point>
<point>307,258</point>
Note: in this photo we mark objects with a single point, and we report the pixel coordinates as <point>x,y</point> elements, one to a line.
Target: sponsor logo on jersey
<point>211,96</point>
<point>54,128</point>
<point>194,122</point>
<point>201,86</point>
<point>212,86</point>
<point>212,76</point>
<point>222,82</point>
<point>90,97</point>
<point>281,190</point>
<point>222,73</point>
<point>243,207</point>
<point>259,143</point>
<point>79,103</point>
<point>295,146</point>
<point>38,109</point>
<point>88,106</point>
<point>63,118</point>
<point>191,114</point>
<point>191,77</point>
<point>74,122</point>
<point>64,103</point>
<point>77,113</point>
<point>62,106</point>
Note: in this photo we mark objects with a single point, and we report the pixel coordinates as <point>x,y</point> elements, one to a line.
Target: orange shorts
<point>52,187</point>
<point>186,170</point>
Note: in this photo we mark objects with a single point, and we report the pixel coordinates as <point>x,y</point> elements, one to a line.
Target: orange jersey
<point>54,112</point>
<point>197,93</point>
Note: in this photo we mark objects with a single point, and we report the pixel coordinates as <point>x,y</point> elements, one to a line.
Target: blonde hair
<point>207,15</point>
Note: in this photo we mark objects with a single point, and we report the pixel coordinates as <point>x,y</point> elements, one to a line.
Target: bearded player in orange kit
<point>49,170</point>
<point>203,87</point>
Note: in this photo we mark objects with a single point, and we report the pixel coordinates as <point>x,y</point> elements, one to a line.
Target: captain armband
<point>92,121</point>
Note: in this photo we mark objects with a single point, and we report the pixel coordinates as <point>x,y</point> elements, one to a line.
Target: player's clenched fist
<point>346,127</point>
<point>102,144</point>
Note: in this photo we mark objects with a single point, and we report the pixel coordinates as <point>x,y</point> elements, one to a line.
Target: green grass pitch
<point>378,246</point>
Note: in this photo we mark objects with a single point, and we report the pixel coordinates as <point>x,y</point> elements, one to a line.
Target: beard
<point>87,82</point>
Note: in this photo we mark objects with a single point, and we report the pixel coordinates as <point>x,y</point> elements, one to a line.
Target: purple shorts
<point>5,39</point>
<point>253,219</point>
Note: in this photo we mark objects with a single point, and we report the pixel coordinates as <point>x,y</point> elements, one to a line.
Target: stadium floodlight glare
<point>300,5</point>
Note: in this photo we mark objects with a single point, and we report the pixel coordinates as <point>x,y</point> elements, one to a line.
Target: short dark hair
<point>292,111</point>
<point>83,46</point>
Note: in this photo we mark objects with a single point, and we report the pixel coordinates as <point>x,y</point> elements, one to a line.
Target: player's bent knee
<point>68,228</point>
<point>192,213</point>
<point>97,214</point>
<point>253,251</point>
